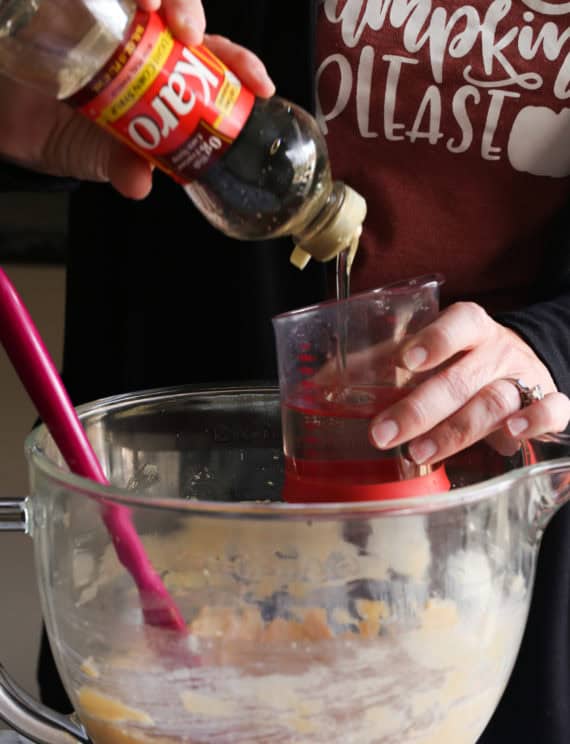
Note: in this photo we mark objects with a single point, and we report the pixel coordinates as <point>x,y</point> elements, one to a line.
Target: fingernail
<point>516,426</point>
<point>422,450</point>
<point>384,432</point>
<point>414,358</point>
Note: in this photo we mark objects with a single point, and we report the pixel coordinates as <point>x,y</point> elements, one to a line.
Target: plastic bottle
<point>255,168</point>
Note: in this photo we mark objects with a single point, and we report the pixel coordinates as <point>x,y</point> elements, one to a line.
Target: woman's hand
<point>187,20</point>
<point>47,135</point>
<point>472,395</point>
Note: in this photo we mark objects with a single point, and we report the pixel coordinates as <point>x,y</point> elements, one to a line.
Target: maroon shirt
<point>452,120</point>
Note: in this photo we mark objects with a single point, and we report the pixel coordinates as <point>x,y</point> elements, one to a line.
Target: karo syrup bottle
<point>255,168</point>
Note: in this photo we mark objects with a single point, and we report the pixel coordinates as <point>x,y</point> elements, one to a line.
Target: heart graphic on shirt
<point>539,142</point>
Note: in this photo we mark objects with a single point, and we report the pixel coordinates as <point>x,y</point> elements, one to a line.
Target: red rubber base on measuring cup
<point>313,481</point>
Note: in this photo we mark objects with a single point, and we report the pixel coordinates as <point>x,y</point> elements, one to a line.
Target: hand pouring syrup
<point>255,168</point>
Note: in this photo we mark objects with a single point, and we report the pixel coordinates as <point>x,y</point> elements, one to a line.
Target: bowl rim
<point>456,497</point>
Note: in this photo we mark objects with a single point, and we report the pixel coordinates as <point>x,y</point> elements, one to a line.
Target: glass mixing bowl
<point>379,622</point>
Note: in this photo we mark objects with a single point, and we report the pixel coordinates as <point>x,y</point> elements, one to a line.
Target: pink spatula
<point>39,376</point>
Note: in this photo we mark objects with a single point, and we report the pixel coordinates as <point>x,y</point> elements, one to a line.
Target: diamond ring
<point>528,395</point>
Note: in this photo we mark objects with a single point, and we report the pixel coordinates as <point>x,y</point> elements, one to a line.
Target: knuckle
<point>456,384</point>
<point>243,57</point>
<point>497,403</point>
<point>476,314</point>
<point>415,414</point>
<point>455,434</point>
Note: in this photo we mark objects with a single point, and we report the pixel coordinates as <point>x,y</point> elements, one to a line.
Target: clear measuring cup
<point>338,369</point>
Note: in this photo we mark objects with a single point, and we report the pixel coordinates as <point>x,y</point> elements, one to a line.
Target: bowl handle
<point>13,515</point>
<point>20,711</point>
<point>35,721</point>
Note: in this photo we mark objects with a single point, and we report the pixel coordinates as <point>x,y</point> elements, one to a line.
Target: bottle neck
<point>335,228</point>
<point>324,216</point>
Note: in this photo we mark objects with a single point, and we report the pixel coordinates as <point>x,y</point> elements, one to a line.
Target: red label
<point>178,106</point>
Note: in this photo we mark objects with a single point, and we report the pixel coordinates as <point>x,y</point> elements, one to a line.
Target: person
<point>451,124</point>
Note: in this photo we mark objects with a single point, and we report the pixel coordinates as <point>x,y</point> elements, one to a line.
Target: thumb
<point>130,174</point>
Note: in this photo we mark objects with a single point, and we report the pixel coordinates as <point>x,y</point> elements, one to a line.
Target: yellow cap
<point>337,234</point>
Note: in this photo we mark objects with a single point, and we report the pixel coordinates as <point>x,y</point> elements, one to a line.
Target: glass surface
<point>397,621</point>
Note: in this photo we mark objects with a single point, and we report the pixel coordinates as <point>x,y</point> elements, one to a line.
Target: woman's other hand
<point>472,393</point>
<point>46,135</point>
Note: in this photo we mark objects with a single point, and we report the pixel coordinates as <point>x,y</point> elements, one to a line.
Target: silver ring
<point>528,395</point>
